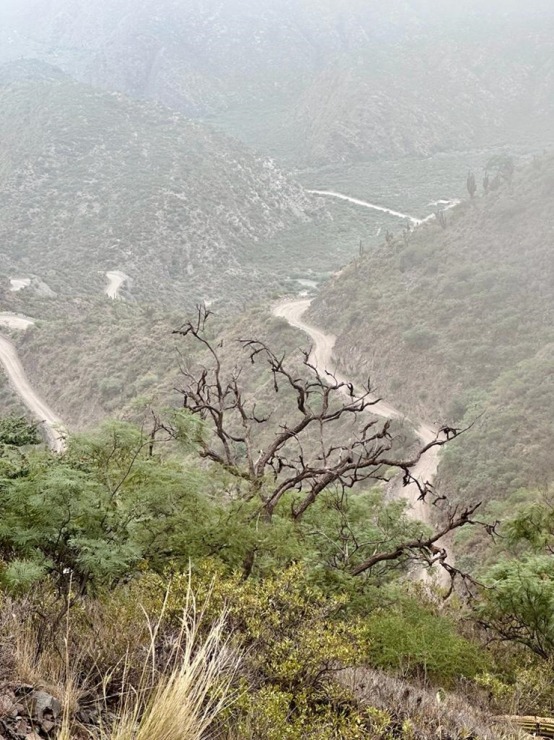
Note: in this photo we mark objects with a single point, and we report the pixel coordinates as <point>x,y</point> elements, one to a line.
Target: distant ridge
<point>92,181</point>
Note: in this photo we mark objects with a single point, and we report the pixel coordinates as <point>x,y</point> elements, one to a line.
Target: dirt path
<point>52,424</point>
<point>116,280</point>
<point>333,194</point>
<point>446,206</point>
<point>17,284</point>
<point>322,357</point>
<point>15,321</point>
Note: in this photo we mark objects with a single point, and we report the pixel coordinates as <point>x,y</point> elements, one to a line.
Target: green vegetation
<point>507,448</point>
<point>123,558</point>
<point>15,431</point>
<point>111,494</point>
<point>98,514</point>
<point>187,213</point>
<point>95,358</point>
<point>209,557</point>
<point>131,526</point>
<point>107,547</point>
<point>92,359</point>
<point>415,640</point>
<point>519,593</point>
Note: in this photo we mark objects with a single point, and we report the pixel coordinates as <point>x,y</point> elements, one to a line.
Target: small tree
<point>501,166</point>
<point>16,431</point>
<point>309,452</point>
<point>518,603</point>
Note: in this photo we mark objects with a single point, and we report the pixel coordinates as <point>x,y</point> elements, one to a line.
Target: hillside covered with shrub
<point>433,94</point>
<point>456,324</point>
<point>98,358</point>
<point>92,181</point>
<point>142,594</point>
<point>314,82</point>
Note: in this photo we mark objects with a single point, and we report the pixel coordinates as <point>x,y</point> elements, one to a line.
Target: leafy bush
<point>420,338</point>
<point>294,642</point>
<point>519,602</point>
<point>97,514</point>
<point>414,640</point>
<point>16,431</point>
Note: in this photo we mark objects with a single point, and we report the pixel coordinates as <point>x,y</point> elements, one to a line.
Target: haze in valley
<point>277,340</point>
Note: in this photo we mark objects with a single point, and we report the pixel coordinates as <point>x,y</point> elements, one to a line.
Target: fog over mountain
<point>277,353</point>
<point>210,57</point>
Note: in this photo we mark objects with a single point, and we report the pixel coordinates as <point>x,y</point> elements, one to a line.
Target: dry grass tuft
<point>182,698</point>
<point>45,666</point>
<point>429,713</point>
<point>174,688</point>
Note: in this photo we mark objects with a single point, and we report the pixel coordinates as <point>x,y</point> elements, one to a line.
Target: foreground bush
<point>158,657</point>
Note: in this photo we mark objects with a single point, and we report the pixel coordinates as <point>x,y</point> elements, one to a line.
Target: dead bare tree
<point>301,454</point>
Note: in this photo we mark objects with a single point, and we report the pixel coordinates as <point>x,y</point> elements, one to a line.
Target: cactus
<point>471,184</point>
<point>441,218</point>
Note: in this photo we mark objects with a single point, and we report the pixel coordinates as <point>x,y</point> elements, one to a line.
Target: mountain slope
<point>91,181</point>
<point>515,422</point>
<point>317,81</point>
<point>448,310</point>
<point>454,326</point>
<point>198,57</point>
<point>431,94</point>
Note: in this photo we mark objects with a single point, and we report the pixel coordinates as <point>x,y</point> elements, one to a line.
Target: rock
<point>7,703</point>
<point>17,710</point>
<point>27,714</point>
<point>22,727</point>
<point>86,716</point>
<point>43,706</point>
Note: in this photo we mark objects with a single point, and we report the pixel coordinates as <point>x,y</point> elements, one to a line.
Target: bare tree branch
<point>425,545</point>
<point>307,453</point>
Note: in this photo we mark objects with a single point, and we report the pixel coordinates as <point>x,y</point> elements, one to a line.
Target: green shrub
<point>420,338</point>
<point>95,515</point>
<point>414,640</point>
<point>294,640</point>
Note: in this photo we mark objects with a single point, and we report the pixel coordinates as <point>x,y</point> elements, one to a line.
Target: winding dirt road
<point>116,280</point>
<point>321,357</point>
<point>52,424</point>
<point>446,206</point>
<point>333,194</point>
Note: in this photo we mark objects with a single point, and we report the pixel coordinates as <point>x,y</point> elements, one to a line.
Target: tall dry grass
<point>41,663</point>
<point>182,698</point>
<point>178,691</point>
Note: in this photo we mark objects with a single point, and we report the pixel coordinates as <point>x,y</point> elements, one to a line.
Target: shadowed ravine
<point>321,357</point>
